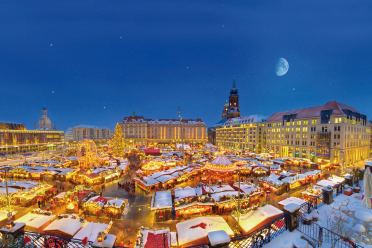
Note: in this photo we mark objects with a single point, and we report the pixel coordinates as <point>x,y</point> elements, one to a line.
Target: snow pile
<point>349,218</point>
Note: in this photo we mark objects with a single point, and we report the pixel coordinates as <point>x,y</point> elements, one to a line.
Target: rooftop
<point>337,108</point>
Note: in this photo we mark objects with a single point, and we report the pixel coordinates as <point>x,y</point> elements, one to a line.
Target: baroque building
<point>138,130</point>
<point>45,123</point>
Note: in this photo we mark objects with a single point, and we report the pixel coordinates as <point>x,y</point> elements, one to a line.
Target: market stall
<point>36,222</point>
<point>194,232</point>
<point>65,226</point>
<point>254,220</point>
<point>190,201</point>
<point>162,204</point>
<point>115,207</point>
<point>95,205</point>
<point>219,169</point>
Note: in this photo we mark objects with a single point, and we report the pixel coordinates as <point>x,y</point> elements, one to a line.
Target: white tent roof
<point>90,230</point>
<point>161,199</point>
<point>251,220</point>
<point>326,183</point>
<point>192,230</point>
<point>221,160</point>
<point>247,188</point>
<point>68,226</point>
<point>218,238</point>
<point>290,200</point>
<point>35,220</point>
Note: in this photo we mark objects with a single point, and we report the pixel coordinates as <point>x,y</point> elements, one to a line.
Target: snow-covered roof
<point>247,188</point>
<point>336,179</point>
<point>292,199</point>
<point>195,231</point>
<point>223,187</point>
<point>161,199</point>
<point>181,193</point>
<point>35,220</point>
<point>217,238</point>
<point>67,226</point>
<point>250,221</point>
<point>90,230</point>
<point>117,202</point>
<point>217,196</point>
<point>243,120</point>
<point>326,183</point>
<point>221,160</point>
<point>273,179</point>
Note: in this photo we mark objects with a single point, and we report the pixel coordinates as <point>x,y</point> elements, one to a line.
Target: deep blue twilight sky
<point>93,62</point>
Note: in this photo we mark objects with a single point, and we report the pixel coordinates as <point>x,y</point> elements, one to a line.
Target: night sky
<point>94,62</point>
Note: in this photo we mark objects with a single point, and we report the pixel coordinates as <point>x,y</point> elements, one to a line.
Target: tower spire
<point>234,84</point>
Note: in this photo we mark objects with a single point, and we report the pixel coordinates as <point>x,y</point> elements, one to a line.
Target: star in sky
<point>51,44</point>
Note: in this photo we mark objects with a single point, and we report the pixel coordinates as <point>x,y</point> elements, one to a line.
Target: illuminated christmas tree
<point>117,142</point>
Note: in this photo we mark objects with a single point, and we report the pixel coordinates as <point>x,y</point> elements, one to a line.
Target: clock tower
<point>233,108</point>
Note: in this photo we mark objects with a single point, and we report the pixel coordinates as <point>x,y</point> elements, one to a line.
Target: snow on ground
<point>285,240</point>
<point>346,215</point>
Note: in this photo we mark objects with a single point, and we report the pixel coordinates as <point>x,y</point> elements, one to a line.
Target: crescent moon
<point>282,67</point>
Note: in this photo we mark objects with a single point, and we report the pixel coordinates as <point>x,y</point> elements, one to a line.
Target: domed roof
<point>45,123</point>
<point>221,160</point>
<point>221,164</point>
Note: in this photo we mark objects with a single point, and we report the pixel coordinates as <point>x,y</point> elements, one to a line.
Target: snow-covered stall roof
<point>273,179</point>
<point>90,230</point>
<point>252,221</point>
<point>186,192</point>
<point>117,202</point>
<point>219,196</point>
<point>195,231</point>
<point>35,221</point>
<point>65,226</point>
<point>247,188</point>
<point>326,183</point>
<point>221,188</point>
<point>161,200</point>
<point>336,179</point>
<point>292,199</point>
<point>217,238</point>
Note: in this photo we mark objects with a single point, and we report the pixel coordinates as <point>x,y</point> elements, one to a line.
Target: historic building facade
<point>15,138</point>
<point>241,133</point>
<point>138,130</point>
<point>44,122</point>
<point>332,132</point>
<point>83,132</point>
